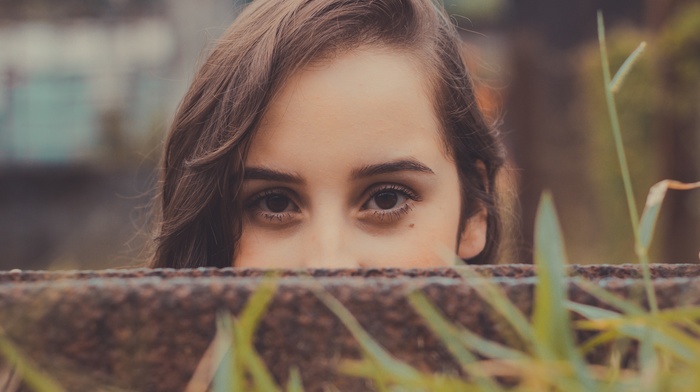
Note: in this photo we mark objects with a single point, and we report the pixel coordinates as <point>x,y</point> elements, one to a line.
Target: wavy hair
<point>199,219</point>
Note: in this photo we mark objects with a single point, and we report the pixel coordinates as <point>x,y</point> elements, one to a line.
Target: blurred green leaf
<point>497,299</point>
<point>260,375</point>
<point>591,312</point>
<point>256,307</point>
<point>368,346</point>
<point>625,305</point>
<point>294,383</point>
<point>475,9</point>
<point>234,345</point>
<point>550,320</point>
<point>227,375</point>
<point>648,359</point>
<point>244,330</point>
<point>489,348</point>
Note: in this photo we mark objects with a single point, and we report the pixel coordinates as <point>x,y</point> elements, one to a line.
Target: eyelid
<point>276,219</point>
<point>391,216</point>
<point>378,188</point>
<point>256,197</point>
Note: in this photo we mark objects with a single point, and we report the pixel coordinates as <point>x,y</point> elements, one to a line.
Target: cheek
<point>261,250</point>
<point>432,237</point>
<point>429,240</point>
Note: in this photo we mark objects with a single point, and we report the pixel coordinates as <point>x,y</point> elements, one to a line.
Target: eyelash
<point>390,216</point>
<point>280,217</point>
<point>394,214</point>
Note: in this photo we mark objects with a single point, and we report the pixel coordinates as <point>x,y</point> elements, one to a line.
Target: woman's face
<point>347,169</point>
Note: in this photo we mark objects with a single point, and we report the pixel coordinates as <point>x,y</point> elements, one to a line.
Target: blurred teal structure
<point>49,118</point>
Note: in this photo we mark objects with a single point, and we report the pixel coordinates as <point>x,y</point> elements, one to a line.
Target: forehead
<point>368,102</point>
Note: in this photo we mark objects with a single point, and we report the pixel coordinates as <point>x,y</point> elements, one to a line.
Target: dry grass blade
<point>212,358</point>
<point>663,329</point>
<point>9,379</point>
<point>655,198</point>
<point>35,379</point>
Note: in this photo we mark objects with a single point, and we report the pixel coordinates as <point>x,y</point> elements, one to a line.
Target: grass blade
<point>550,320</point>
<point>655,198</point>
<point>450,337</point>
<point>598,340</point>
<point>228,375</point>
<point>591,312</point>
<point>369,347</point>
<point>621,73</point>
<point>240,356</point>
<point>294,383</point>
<point>260,375</point>
<point>256,307</point>
<point>615,123</point>
<point>626,306</point>
<point>215,360</point>
<point>648,359</point>
<point>497,299</point>
<point>244,330</point>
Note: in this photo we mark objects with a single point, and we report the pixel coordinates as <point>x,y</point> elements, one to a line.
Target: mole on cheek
<point>411,225</point>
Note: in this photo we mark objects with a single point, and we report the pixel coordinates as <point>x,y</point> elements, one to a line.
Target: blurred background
<point>87,90</point>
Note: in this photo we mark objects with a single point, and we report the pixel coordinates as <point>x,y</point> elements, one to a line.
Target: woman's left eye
<point>388,202</point>
<point>385,200</point>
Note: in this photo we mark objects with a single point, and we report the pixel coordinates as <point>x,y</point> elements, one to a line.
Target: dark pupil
<point>277,203</point>
<point>386,200</point>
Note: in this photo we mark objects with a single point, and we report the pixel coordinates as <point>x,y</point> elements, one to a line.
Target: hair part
<point>202,168</point>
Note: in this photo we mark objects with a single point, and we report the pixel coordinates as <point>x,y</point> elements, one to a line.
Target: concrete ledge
<point>146,330</point>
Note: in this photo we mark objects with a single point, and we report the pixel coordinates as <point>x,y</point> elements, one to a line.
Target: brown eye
<point>386,200</point>
<point>276,203</point>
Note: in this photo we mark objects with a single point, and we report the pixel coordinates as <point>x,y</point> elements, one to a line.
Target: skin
<point>347,169</point>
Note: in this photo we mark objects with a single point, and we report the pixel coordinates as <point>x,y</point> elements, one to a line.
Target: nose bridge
<point>329,237</point>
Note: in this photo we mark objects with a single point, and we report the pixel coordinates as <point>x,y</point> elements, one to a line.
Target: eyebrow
<point>410,165</point>
<point>402,165</point>
<point>261,173</point>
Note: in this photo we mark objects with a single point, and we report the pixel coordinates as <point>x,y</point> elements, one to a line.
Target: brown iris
<point>277,203</point>
<point>386,200</point>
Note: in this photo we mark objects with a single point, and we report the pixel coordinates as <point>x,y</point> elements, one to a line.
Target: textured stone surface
<point>147,329</point>
<point>597,271</point>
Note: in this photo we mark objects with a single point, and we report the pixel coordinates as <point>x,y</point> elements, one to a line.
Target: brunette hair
<point>202,167</point>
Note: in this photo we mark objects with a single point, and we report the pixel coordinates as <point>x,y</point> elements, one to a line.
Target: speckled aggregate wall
<point>146,330</point>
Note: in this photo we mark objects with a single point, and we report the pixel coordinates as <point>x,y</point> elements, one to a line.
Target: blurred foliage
<point>679,49</point>
<point>475,9</point>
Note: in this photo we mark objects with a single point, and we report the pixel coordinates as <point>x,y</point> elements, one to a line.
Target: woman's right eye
<point>274,206</point>
<point>275,203</point>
